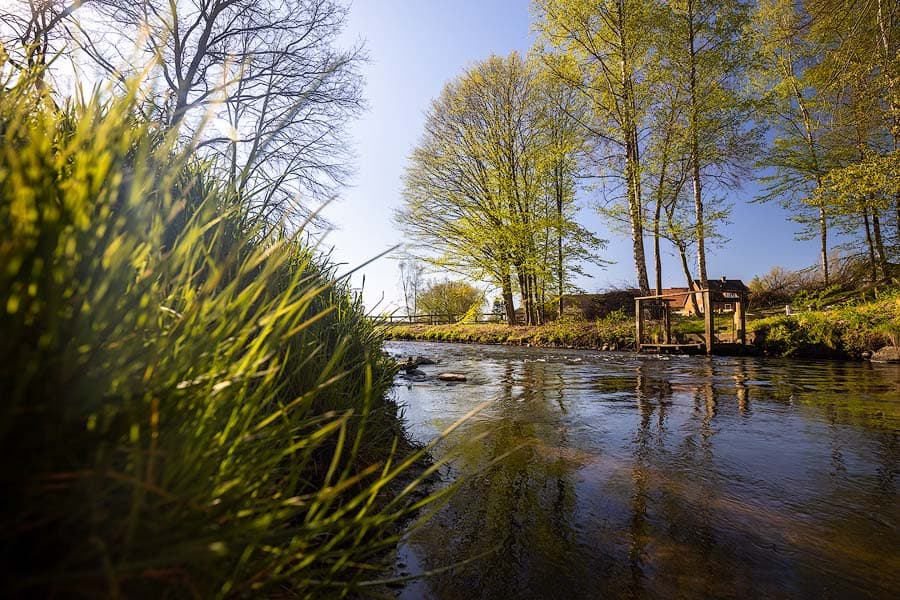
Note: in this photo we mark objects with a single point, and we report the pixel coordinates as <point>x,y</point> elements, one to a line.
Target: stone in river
<point>452,377</point>
<point>888,354</point>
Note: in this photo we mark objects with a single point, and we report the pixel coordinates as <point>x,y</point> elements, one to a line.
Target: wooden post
<point>667,319</point>
<point>639,325</point>
<point>708,320</point>
<point>740,320</point>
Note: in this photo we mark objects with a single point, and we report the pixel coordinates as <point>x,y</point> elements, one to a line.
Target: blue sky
<point>415,47</point>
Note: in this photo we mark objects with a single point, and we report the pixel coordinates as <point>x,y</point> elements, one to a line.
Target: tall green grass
<point>189,406</point>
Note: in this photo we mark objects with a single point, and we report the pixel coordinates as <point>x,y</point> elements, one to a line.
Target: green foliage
<point>816,299</point>
<point>189,407</point>
<point>616,330</point>
<point>490,190</point>
<point>453,299</point>
<point>840,332</point>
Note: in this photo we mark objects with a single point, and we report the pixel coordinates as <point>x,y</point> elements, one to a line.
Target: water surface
<point>657,477</point>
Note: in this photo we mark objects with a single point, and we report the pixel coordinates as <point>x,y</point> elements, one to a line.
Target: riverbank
<point>849,332</point>
<point>616,333</point>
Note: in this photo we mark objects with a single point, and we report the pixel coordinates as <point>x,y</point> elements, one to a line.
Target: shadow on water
<point>660,477</point>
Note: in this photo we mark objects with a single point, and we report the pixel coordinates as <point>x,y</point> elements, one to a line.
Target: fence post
<point>639,325</point>
<point>708,320</point>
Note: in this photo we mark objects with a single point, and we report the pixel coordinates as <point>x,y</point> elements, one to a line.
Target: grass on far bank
<point>845,331</point>
<point>861,324</point>
<point>615,330</point>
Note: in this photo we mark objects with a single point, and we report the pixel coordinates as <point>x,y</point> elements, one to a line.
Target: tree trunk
<point>657,259</point>
<point>559,242</point>
<point>879,243</point>
<point>695,155</point>
<point>508,302</point>
<point>889,58</point>
<point>814,157</point>
<point>823,237</point>
<point>682,253</point>
<point>873,270</point>
<point>525,294</point>
<point>632,157</point>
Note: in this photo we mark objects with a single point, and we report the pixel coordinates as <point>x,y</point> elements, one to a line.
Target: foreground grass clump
<point>845,331</point>
<point>189,406</point>
<point>615,330</point>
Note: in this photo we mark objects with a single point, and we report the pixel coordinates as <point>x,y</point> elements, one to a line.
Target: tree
<point>705,51</point>
<point>32,32</point>
<point>859,72</point>
<point>260,86</point>
<point>450,298</point>
<point>411,272</point>
<point>479,197</point>
<point>867,187</point>
<point>600,47</point>
<point>799,115</point>
<point>566,149</point>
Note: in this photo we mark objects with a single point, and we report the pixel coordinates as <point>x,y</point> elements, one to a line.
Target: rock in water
<point>452,377</point>
<point>424,360</point>
<point>888,354</point>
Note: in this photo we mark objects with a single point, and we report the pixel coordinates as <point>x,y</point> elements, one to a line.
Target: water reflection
<point>635,477</point>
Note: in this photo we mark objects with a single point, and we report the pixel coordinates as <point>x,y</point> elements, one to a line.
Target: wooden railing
<point>442,319</point>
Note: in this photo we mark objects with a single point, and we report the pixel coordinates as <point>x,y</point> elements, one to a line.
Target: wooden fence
<point>442,319</point>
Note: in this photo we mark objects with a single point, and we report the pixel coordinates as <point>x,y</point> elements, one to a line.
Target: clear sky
<point>415,47</point>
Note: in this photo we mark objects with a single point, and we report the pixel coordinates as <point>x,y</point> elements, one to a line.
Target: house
<point>724,294</point>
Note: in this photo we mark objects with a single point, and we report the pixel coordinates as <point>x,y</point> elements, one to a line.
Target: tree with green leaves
<point>600,48</point>
<point>799,115</point>
<point>489,189</point>
<point>705,51</point>
<point>858,74</point>
<point>452,299</point>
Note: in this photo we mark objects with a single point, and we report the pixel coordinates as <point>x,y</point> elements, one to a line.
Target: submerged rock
<point>452,377</point>
<point>888,354</point>
<point>424,360</point>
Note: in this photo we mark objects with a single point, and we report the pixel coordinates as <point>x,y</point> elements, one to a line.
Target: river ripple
<point>657,477</point>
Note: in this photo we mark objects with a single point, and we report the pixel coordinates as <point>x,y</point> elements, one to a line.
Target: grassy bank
<point>851,330</point>
<point>616,330</point>
<point>191,404</point>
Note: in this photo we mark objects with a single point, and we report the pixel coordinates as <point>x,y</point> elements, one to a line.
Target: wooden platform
<point>695,348</point>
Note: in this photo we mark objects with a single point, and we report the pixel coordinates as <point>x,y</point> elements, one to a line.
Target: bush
<point>190,406</point>
<point>846,331</point>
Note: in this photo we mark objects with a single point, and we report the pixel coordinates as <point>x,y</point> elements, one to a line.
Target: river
<point>627,476</point>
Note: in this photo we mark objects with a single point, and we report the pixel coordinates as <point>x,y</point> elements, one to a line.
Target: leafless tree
<point>411,280</point>
<point>32,32</point>
<point>266,78</point>
<point>261,86</point>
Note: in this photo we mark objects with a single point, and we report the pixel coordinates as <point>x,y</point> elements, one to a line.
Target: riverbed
<point>615,475</point>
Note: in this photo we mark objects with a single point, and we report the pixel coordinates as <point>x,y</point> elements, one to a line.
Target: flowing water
<point>608,475</point>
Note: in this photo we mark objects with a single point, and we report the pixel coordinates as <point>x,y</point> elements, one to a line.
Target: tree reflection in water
<point>634,477</point>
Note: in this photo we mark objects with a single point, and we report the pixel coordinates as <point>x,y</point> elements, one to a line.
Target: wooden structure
<point>732,293</point>
<point>441,319</point>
